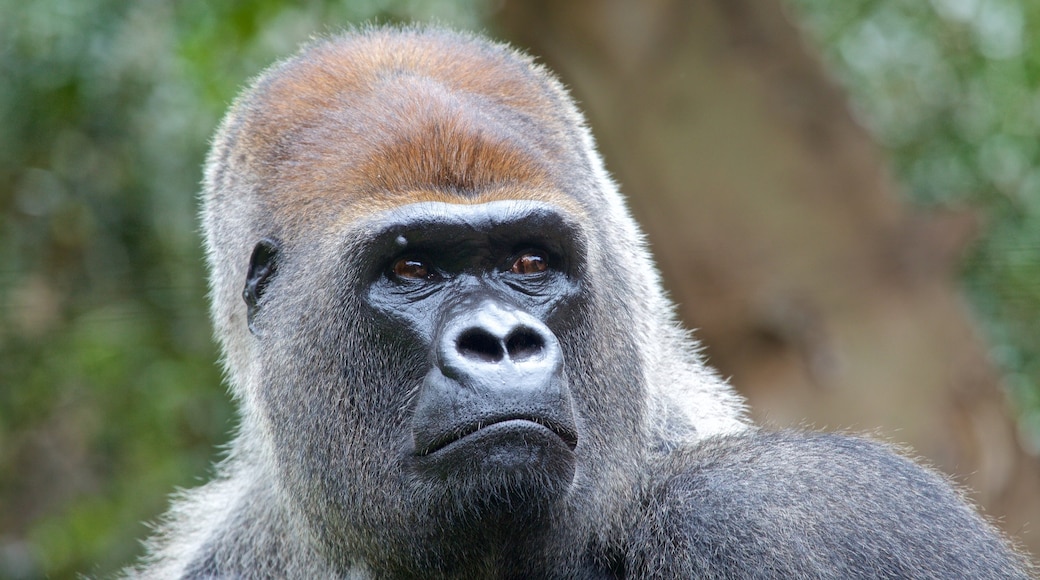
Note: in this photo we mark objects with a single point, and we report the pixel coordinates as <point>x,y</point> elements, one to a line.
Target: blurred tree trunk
<point>780,234</point>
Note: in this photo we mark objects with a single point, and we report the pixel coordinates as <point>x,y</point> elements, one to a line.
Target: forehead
<point>363,124</point>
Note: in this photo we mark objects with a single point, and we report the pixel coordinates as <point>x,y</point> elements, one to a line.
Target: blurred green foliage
<point>109,391</point>
<point>951,88</point>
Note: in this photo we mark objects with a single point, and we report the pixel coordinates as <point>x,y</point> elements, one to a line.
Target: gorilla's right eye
<point>411,268</point>
<point>531,262</point>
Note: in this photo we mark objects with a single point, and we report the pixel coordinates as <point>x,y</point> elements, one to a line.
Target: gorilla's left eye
<point>531,262</point>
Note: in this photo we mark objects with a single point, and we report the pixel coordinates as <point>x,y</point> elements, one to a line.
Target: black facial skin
<point>480,287</point>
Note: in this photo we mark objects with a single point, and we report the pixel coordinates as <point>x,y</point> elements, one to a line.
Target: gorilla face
<point>479,288</point>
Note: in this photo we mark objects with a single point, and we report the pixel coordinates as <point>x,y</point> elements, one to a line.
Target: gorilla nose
<point>479,344</point>
<point>495,335</point>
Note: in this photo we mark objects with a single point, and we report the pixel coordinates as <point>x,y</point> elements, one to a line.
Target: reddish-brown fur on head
<point>387,118</point>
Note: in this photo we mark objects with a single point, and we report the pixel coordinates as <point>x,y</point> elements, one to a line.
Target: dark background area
<point>844,199</point>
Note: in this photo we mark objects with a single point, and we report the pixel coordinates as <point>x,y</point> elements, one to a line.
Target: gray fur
<point>672,480</point>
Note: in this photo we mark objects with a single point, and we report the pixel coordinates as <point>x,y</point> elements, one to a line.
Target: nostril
<point>524,343</point>
<point>479,344</point>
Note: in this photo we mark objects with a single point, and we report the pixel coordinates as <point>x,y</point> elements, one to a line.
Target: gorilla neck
<point>484,542</point>
<point>511,541</point>
<point>503,551</point>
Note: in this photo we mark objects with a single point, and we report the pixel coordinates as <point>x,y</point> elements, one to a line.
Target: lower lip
<point>510,433</point>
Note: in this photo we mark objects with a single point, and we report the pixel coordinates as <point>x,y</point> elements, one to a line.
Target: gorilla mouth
<point>565,433</point>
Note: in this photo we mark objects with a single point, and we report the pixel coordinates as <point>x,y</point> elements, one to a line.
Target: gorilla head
<point>450,321</point>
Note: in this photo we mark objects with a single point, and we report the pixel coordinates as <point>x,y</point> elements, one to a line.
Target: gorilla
<point>453,358</point>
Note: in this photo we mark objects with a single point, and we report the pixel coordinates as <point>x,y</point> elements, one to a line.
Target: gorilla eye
<point>412,268</point>
<point>532,262</point>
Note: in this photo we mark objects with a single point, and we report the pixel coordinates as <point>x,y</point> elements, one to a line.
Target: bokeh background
<point>844,199</point>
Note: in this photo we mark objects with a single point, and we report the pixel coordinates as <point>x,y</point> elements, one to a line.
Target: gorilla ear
<point>262,267</point>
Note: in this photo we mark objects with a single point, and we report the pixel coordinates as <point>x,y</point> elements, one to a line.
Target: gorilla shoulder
<point>809,505</point>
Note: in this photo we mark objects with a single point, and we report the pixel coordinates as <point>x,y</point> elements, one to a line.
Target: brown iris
<point>413,268</point>
<point>530,263</point>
